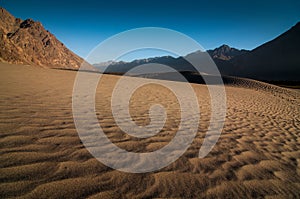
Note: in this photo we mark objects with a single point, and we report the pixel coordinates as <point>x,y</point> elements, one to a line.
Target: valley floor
<point>257,155</point>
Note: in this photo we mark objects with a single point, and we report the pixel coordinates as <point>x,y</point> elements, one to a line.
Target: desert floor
<point>257,155</point>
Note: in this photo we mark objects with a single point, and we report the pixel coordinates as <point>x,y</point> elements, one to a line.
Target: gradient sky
<point>81,25</point>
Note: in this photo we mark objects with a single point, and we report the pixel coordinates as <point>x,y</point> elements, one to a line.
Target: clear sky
<point>81,25</point>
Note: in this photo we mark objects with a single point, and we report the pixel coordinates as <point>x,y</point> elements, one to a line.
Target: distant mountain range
<point>27,42</point>
<point>277,60</point>
<point>221,54</point>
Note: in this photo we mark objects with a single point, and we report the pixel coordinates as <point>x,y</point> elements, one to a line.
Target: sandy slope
<point>257,155</point>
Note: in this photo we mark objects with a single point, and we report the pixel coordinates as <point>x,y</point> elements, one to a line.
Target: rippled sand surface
<point>257,155</point>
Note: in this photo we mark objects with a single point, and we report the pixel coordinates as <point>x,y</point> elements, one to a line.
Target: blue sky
<point>81,25</point>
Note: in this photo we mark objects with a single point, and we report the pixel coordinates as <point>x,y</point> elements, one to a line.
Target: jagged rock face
<point>225,52</point>
<point>27,42</point>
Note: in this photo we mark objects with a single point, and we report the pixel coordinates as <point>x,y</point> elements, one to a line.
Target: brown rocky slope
<point>27,42</point>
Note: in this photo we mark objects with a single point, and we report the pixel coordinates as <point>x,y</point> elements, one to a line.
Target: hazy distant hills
<point>27,42</point>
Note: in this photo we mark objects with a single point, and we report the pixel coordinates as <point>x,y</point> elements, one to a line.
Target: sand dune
<point>257,155</point>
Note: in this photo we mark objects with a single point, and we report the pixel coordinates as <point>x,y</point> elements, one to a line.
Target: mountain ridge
<point>275,60</point>
<point>222,53</point>
<point>27,42</point>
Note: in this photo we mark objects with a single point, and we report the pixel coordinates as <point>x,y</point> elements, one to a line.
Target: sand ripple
<point>257,155</point>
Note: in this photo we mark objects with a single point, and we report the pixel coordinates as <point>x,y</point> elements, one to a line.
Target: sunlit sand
<point>257,155</point>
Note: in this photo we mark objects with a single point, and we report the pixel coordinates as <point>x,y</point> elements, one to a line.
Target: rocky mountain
<point>27,42</point>
<point>225,52</point>
<point>220,55</point>
<point>278,59</point>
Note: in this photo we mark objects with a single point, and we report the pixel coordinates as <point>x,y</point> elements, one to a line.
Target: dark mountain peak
<point>224,46</point>
<point>225,52</point>
<point>225,49</point>
<point>277,59</point>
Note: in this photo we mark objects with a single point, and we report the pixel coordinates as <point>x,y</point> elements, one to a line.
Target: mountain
<point>220,55</point>
<point>27,42</point>
<point>179,64</point>
<point>278,59</point>
<point>225,52</point>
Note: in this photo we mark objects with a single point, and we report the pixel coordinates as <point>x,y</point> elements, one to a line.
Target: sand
<point>257,155</point>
